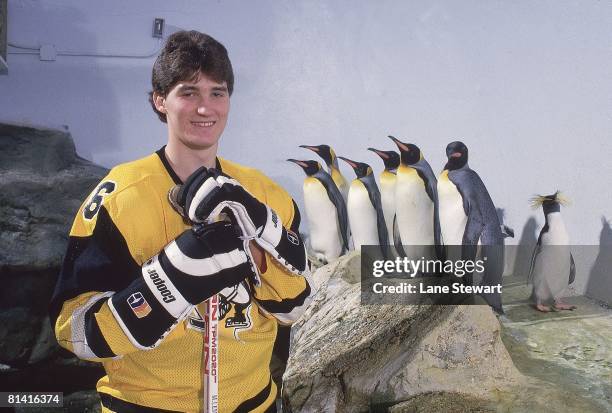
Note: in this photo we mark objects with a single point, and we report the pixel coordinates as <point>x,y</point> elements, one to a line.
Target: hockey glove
<point>198,264</point>
<point>207,192</point>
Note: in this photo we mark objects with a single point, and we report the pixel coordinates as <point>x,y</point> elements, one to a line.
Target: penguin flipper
<point>431,187</point>
<point>397,239</point>
<point>494,269</point>
<point>375,199</point>
<point>572,274</point>
<point>534,257</point>
<point>336,198</point>
<point>507,232</point>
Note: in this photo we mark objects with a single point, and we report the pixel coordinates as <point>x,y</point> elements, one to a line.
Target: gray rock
<point>348,357</point>
<point>42,185</point>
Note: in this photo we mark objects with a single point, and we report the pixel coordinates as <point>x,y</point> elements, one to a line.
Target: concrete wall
<point>526,85</point>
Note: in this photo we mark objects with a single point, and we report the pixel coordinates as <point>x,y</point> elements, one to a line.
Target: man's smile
<point>206,124</point>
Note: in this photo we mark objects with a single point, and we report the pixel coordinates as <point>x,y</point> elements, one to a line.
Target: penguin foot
<point>543,308</point>
<point>563,306</point>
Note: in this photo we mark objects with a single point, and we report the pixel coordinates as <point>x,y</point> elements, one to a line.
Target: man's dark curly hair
<point>184,56</point>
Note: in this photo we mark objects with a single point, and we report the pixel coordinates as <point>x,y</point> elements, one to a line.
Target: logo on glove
<point>293,238</point>
<point>139,305</point>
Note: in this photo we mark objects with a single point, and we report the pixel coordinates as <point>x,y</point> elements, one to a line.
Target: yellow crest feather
<point>537,200</point>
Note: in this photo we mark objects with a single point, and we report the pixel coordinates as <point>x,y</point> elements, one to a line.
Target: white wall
<point>526,85</point>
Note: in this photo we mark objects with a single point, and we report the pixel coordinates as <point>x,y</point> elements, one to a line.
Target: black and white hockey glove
<point>207,192</point>
<point>198,264</point>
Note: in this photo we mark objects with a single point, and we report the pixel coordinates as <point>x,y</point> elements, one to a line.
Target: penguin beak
<point>312,148</point>
<point>401,145</point>
<point>348,161</point>
<point>455,155</point>
<point>299,163</point>
<point>379,153</point>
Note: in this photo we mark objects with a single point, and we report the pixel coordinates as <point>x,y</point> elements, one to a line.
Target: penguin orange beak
<point>455,155</point>
<point>401,145</point>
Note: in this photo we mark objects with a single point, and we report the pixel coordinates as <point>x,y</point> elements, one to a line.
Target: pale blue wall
<point>526,85</point>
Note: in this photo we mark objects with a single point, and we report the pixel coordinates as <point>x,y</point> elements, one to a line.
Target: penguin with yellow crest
<point>416,204</point>
<point>329,156</point>
<point>326,212</point>
<point>387,180</point>
<point>552,264</point>
<point>364,209</point>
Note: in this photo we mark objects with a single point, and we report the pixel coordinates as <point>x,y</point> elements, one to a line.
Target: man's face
<point>196,112</point>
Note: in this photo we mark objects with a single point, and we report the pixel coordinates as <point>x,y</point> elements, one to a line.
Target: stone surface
<point>352,358</point>
<point>568,354</point>
<point>42,184</point>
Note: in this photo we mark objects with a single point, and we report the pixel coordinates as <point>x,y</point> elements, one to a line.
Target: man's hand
<point>208,192</point>
<point>198,264</point>
<point>257,254</point>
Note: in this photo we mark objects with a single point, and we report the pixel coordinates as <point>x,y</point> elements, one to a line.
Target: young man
<point>178,290</point>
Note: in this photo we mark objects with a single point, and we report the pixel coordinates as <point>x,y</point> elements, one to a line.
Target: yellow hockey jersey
<point>125,221</point>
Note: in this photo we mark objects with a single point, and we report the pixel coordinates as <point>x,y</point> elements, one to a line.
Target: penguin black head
<point>324,151</point>
<point>390,158</point>
<point>457,154</point>
<point>309,167</point>
<point>549,203</point>
<point>409,153</point>
<point>361,169</point>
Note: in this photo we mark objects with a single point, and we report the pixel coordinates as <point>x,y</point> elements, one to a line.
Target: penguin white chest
<point>414,209</point>
<point>325,236</point>
<point>551,268</point>
<point>362,216</point>
<point>452,215</point>
<point>557,233</point>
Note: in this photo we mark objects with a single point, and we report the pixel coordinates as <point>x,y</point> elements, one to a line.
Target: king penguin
<point>387,179</point>
<point>326,212</point>
<point>552,264</point>
<point>416,201</point>
<point>329,156</point>
<point>365,209</point>
<point>468,218</point>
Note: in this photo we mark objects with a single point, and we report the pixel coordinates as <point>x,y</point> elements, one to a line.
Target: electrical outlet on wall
<point>158,28</point>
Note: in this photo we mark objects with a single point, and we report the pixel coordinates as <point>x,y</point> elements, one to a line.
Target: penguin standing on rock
<point>326,212</point>
<point>329,156</point>
<point>365,209</point>
<point>468,218</point>
<point>552,264</point>
<point>416,200</point>
<point>387,179</point>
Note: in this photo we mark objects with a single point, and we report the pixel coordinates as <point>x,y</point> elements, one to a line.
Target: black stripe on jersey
<point>287,305</point>
<point>152,326</point>
<point>99,262</point>
<point>255,401</point>
<point>194,288</point>
<point>121,406</point>
<point>161,152</point>
<point>96,341</point>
